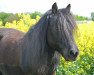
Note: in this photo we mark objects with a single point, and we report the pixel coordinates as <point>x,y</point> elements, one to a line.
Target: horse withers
<point>38,51</point>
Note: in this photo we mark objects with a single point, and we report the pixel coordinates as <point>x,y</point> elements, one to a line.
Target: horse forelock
<point>69,17</point>
<point>70,20</point>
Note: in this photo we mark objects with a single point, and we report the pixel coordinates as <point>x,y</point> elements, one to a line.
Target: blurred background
<point>23,14</point>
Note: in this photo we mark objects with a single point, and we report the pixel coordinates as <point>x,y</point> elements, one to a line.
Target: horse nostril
<point>73,53</point>
<point>76,54</point>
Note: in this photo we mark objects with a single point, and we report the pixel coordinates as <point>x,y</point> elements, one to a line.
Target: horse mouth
<point>69,58</point>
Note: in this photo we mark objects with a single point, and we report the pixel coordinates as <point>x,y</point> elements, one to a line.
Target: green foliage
<point>7,17</point>
<point>3,16</point>
<point>92,16</point>
<point>80,18</point>
<point>33,15</point>
<point>1,23</point>
<point>11,18</point>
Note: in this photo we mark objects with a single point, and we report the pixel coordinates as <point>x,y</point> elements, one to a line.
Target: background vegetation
<point>92,16</point>
<point>81,18</point>
<point>84,65</point>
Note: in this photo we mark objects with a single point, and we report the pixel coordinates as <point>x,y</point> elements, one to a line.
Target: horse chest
<point>51,66</point>
<point>46,66</point>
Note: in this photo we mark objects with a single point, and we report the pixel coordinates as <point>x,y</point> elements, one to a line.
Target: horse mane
<point>39,32</point>
<point>35,44</point>
<point>72,27</point>
<point>1,36</point>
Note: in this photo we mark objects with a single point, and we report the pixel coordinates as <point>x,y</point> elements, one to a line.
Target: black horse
<point>38,51</point>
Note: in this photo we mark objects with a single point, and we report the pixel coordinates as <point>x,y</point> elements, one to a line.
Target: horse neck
<point>35,52</point>
<point>36,36</point>
<point>34,44</point>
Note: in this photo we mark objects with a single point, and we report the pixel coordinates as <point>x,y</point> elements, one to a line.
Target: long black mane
<point>35,41</point>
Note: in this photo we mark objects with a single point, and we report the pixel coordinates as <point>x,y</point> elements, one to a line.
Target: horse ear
<point>68,8</point>
<point>54,8</point>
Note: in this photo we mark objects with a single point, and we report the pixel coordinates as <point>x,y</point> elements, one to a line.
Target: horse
<point>6,69</point>
<point>38,51</point>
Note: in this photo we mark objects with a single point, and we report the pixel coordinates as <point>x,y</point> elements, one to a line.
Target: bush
<point>34,15</point>
<point>11,18</point>
<point>3,16</point>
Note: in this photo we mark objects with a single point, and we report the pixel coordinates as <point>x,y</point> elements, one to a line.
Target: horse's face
<point>60,32</point>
